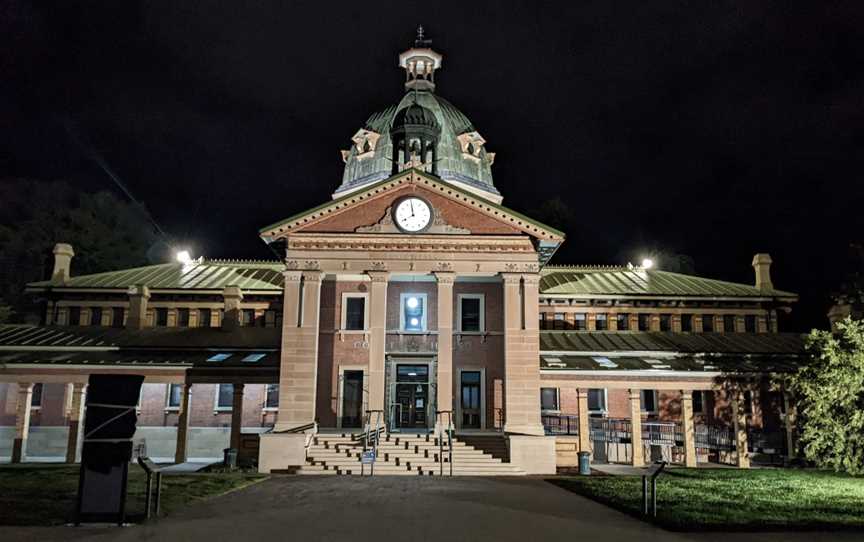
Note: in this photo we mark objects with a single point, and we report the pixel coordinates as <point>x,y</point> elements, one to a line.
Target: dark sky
<point>711,129</point>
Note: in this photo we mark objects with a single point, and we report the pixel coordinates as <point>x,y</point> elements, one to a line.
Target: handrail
<point>439,416</point>
<point>378,414</point>
<point>301,428</point>
<point>657,470</point>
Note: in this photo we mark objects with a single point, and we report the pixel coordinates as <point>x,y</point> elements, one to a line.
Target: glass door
<point>352,399</point>
<point>470,399</point>
<point>411,397</point>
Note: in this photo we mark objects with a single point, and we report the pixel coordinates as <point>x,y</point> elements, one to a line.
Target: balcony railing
<point>560,424</point>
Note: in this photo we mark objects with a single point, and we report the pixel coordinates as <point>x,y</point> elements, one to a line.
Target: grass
<point>46,495</point>
<point>732,499</point>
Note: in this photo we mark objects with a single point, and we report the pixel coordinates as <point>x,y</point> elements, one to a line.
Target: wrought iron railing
<point>663,433</point>
<point>560,424</point>
<point>610,430</point>
<point>715,437</point>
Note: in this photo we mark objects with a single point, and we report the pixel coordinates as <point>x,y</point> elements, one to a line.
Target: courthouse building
<point>413,301</point>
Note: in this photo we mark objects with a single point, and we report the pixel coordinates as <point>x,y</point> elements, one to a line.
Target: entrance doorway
<point>410,407</point>
<point>470,386</point>
<point>352,398</point>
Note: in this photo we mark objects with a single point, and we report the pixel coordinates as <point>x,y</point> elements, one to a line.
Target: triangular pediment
<point>456,211</point>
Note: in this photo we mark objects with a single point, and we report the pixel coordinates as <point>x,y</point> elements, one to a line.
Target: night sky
<point>709,129</point>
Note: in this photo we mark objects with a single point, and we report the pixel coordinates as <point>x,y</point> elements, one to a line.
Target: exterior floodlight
<point>647,263</point>
<point>183,257</point>
<point>415,322</point>
<point>412,302</point>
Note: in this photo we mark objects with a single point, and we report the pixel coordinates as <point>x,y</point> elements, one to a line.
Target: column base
<point>525,429</point>
<point>18,450</point>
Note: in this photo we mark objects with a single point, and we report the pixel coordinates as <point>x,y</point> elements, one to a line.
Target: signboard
<point>368,457</point>
<point>109,423</point>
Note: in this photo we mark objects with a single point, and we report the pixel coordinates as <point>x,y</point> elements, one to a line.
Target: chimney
<point>138,298</point>
<point>233,296</point>
<point>63,254</point>
<point>762,266</point>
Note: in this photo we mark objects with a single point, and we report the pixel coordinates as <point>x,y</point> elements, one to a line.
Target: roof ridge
<point>224,261</point>
<point>586,266</point>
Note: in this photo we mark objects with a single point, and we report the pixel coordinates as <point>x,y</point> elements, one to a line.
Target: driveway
<point>395,509</point>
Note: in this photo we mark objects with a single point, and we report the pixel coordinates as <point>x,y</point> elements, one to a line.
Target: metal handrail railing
<point>560,424</point>
<point>439,415</point>
<point>652,474</point>
<point>499,419</point>
<point>373,436</point>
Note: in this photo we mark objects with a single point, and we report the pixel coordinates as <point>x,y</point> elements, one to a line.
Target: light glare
<point>412,302</point>
<point>647,263</point>
<point>183,256</point>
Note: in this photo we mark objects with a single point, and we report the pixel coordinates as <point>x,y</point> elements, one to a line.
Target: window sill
<point>270,409</point>
<point>172,410</point>
<point>222,410</point>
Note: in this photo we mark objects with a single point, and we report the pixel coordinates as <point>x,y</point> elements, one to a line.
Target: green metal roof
<point>35,338</point>
<point>198,275</point>
<point>691,364</point>
<point>626,281</point>
<point>451,164</point>
<point>667,341</point>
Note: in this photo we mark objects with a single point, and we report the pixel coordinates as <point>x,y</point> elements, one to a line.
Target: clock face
<point>412,215</point>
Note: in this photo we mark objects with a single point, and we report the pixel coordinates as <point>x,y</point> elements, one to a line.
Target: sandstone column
<point>237,415</point>
<point>638,459</point>
<point>299,363</point>
<point>584,420</point>
<point>522,353</point>
<point>377,337</point>
<point>76,415</point>
<point>689,427</point>
<point>180,453</point>
<point>739,419</point>
<point>22,421</point>
<point>789,407</point>
<point>232,297</point>
<point>445,344</point>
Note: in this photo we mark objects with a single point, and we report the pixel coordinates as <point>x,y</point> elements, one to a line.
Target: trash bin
<point>230,459</point>
<point>585,463</point>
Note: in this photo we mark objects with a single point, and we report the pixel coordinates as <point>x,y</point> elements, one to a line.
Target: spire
<point>420,63</point>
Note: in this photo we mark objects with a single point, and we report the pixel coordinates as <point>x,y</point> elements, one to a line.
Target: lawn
<point>45,494</point>
<point>732,499</point>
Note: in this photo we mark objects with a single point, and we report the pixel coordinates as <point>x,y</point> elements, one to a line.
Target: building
<point>416,301</point>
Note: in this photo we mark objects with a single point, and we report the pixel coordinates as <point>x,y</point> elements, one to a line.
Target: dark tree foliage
<point>106,233</point>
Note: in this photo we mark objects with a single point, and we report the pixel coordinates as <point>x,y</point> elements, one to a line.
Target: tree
<point>106,233</point>
<point>829,390</point>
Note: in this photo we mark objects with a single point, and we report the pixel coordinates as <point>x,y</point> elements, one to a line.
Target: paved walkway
<point>394,509</point>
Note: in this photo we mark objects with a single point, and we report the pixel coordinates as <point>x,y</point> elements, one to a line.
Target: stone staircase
<point>401,454</point>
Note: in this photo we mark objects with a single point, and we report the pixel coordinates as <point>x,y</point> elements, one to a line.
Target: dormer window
<point>365,142</point>
<point>472,146</point>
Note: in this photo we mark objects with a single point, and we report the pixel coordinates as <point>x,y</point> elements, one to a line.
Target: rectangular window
<point>354,312</point>
<point>74,316</point>
<point>117,314</point>
<point>182,317</point>
<point>549,399</point>
<point>748,402</point>
<point>161,317</point>
<point>471,312</point>
<point>205,318</point>
<point>597,400</point>
<point>708,323</point>
<point>648,401</point>
<point>698,402</point>
<point>96,316</point>
<point>601,322</point>
<point>175,396</point>
<point>665,322</point>
<point>750,323</point>
<point>271,401</point>
<point>36,397</point>
<point>580,322</point>
<point>219,357</point>
<point>644,321</point>
<point>542,321</point>
<point>686,323</point>
<point>728,323</point>
<point>247,317</point>
<point>558,323</point>
<point>413,313</point>
<point>623,321</point>
<point>225,397</point>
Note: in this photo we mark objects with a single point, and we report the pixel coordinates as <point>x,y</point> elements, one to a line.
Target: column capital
<point>292,275</point>
<point>635,394</point>
<point>25,386</point>
<point>378,276</point>
<point>511,278</point>
<point>531,279</point>
<point>445,277</point>
<point>313,276</point>
<point>687,395</point>
<point>232,291</point>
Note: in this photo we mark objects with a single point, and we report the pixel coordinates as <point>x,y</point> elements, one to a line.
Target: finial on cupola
<point>420,63</point>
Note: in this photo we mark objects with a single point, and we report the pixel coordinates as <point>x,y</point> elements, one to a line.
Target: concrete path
<point>389,509</point>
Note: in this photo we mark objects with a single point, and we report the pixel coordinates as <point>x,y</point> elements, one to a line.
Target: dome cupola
<point>422,131</point>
